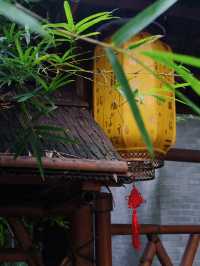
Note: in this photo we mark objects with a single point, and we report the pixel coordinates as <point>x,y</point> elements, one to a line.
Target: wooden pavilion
<point>74,173</point>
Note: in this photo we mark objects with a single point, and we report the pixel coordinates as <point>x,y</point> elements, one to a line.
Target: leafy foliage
<point>168,60</point>
<point>141,21</point>
<point>32,68</point>
<point>21,17</point>
<point>30,73</point>
<point>63,29</point>
<point>70,31</point>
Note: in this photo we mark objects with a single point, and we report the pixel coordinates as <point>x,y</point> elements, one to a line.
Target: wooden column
<point>82,236</point>
<point>190,251</point>
<point>103,229</point>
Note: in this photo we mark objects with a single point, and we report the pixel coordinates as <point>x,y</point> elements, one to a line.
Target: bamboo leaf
<point>37,152</point>
<point>25,96</point>
<point>91,17</point>
<point>58,83</point>
<point>17,15</point>
<point>22,142</point>
<point>182,71</point>
<point>129,95</point>
<point>42,82</point>
<point>188,102</point>
<point>181,85</point>
<point>92,23</point>
<point>184,59</point>
<point>142,20</point>
<point>28,55</point>
<point>148,39</point>
<point>68,54</point>
<point>69,15</point>
<point>61,33</point>
<point>56,25</point>
<point>41,107</point>
<point>90,34</point>
<point>19,48</point>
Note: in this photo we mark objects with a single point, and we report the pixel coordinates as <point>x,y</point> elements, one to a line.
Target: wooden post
<point>103,229</point>
<point>25,241</point>
<point>160,250</point>
<point>162,254</point>
<point>190,251</point>
<point>82,236</point>
<point>148,255</point>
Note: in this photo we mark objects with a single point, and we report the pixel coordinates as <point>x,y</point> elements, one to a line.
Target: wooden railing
<point>154,246</point>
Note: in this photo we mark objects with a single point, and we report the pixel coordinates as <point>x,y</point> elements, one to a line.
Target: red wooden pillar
<point>82,236</point>
<point>103,238</point>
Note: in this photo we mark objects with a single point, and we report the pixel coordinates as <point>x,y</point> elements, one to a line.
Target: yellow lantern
<point>156,104</point>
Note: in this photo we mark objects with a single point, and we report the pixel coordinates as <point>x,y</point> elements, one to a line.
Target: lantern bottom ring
<point>141,165</point>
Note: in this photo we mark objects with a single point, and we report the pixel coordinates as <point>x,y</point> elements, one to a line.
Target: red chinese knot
<point>135,199</point>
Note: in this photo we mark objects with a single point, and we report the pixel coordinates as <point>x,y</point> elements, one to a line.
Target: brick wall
<point>172,198</point>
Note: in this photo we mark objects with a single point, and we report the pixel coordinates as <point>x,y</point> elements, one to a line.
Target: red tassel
<point>134,201</point>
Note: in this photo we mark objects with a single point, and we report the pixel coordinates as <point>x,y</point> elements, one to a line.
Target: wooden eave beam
<point>183,155</point>
<point>104,166</point>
